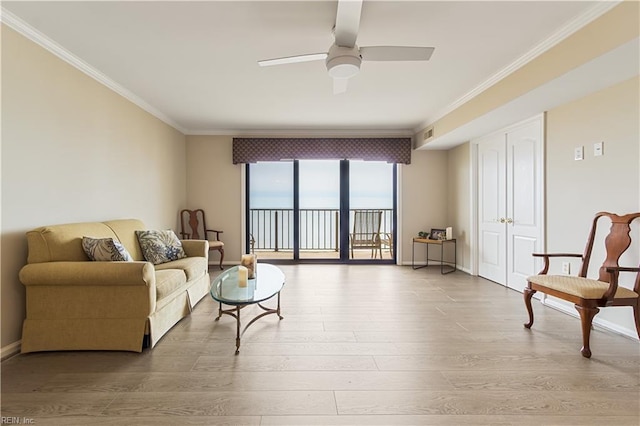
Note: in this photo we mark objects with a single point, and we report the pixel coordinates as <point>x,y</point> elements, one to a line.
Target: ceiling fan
<point>344,57</point>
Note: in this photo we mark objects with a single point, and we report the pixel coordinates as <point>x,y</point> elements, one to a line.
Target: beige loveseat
<point>77,304</point>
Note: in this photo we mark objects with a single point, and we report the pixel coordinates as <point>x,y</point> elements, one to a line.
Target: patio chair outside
<point>366,232</point>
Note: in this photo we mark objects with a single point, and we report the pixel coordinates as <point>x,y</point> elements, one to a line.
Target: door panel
<point>491,252</point>
<point>523,214</point>
<point>491,198</point>
<point>270,206</point>
<point>371,189</point>
<point>319,202</point>
<point>523,263</point>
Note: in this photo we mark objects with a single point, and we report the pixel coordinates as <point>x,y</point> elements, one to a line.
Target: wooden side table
<point>445,267</point>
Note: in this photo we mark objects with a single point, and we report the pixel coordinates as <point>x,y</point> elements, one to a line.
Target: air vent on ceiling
<point>428,133</point>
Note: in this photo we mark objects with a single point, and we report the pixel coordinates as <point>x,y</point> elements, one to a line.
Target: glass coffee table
<point>267,284</point>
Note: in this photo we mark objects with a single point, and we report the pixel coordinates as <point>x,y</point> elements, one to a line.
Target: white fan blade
<point>293,59</point>
<point>347,22</point>
<point>396,53</point>
<point>340,85</point>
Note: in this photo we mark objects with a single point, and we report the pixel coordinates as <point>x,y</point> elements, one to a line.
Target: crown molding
<point>401,133</point>
<point>568,29</point>
<point>17,24</point>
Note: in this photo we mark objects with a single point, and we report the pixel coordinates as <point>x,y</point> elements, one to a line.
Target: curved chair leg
<point>586,318</point>
<point>528,294</point>
<point>221,250</point>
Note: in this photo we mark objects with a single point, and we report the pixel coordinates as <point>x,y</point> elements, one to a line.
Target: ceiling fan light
<point>343,66</point>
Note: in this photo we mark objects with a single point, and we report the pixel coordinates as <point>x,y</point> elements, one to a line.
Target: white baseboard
<point>423,263</point>
<point>465,270</point>
<point>597,322</point>
<point>10,350</point>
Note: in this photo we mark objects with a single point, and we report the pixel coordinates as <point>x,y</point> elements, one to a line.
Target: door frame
<point>344,208</point>
<point>475,227</point>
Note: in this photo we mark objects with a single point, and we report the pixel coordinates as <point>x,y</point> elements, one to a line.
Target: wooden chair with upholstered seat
<point>587,294</point>
<point>194,227</point>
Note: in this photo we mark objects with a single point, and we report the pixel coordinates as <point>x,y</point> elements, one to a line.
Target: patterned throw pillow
<point>105,250</point>
<point>160,246</point>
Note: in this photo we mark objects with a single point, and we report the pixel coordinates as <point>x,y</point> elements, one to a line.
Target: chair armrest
<point>547,256</point>
<point>88,273</point>
<point>214,231</point>
<point>196,248</point>
<point>556,255</point>
<point>614,271</point>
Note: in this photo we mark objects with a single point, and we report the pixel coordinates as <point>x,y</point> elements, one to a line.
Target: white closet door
<point>523,217</point>
<point>492,237</point>
<point>510,203</point>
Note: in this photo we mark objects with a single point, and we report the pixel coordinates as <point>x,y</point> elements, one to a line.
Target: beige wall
<point>73,150</point>
<point>424,199</point>
<point>215,186</point>
<point>576,190</point>
<point>459,201</point>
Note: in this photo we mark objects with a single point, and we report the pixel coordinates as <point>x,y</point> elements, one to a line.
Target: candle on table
<point>243,274</point>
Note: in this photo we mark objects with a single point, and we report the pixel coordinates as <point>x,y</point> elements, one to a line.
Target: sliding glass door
<point>321,210</point>
<point>319,195</point>
<point>371,209</point>
<point>270,219</point>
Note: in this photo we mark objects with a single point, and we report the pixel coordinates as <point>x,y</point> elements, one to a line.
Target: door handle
<point>509,220</point>
<point>502,220</point>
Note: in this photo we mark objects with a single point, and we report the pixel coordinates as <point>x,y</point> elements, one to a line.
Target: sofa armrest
<point>196,248</point>
<point>88,274</point>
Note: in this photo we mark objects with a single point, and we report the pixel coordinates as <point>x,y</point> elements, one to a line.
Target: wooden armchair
<point>589,294</point>
<point>194,227</point>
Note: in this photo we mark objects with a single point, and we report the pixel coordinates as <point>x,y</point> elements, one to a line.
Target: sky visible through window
<point>271,185</point>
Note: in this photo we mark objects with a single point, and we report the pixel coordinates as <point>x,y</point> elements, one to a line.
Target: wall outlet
<point>566,268</point>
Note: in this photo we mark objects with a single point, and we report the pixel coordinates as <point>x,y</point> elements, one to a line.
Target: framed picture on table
<point>437,234</point>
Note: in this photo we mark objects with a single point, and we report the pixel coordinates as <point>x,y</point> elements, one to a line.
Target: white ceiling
<point>193,64</point>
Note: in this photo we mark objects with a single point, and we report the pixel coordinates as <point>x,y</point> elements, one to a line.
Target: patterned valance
<point>391,150</point>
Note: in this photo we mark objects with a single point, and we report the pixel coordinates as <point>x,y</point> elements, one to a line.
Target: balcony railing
<point>272,229</point>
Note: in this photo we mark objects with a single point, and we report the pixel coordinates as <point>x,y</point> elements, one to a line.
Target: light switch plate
<point>578,153</point>
<point>598,149</point>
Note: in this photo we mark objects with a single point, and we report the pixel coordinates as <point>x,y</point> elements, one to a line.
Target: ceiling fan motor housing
<point>343,62</point>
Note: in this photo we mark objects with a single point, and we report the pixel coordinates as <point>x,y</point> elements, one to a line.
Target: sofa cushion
<point>105,250</point>
<point>193,267</point>
<point>160,246</point>
<point>168,281</point>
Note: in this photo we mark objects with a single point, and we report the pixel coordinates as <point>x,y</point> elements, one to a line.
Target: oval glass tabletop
<point>268,282</point>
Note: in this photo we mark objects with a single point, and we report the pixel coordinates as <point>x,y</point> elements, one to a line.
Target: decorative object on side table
<point>438,234</point>
<point>449,233</point>
<point>423,234</point>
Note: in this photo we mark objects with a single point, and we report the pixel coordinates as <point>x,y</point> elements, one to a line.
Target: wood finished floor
<point>359,345</point>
